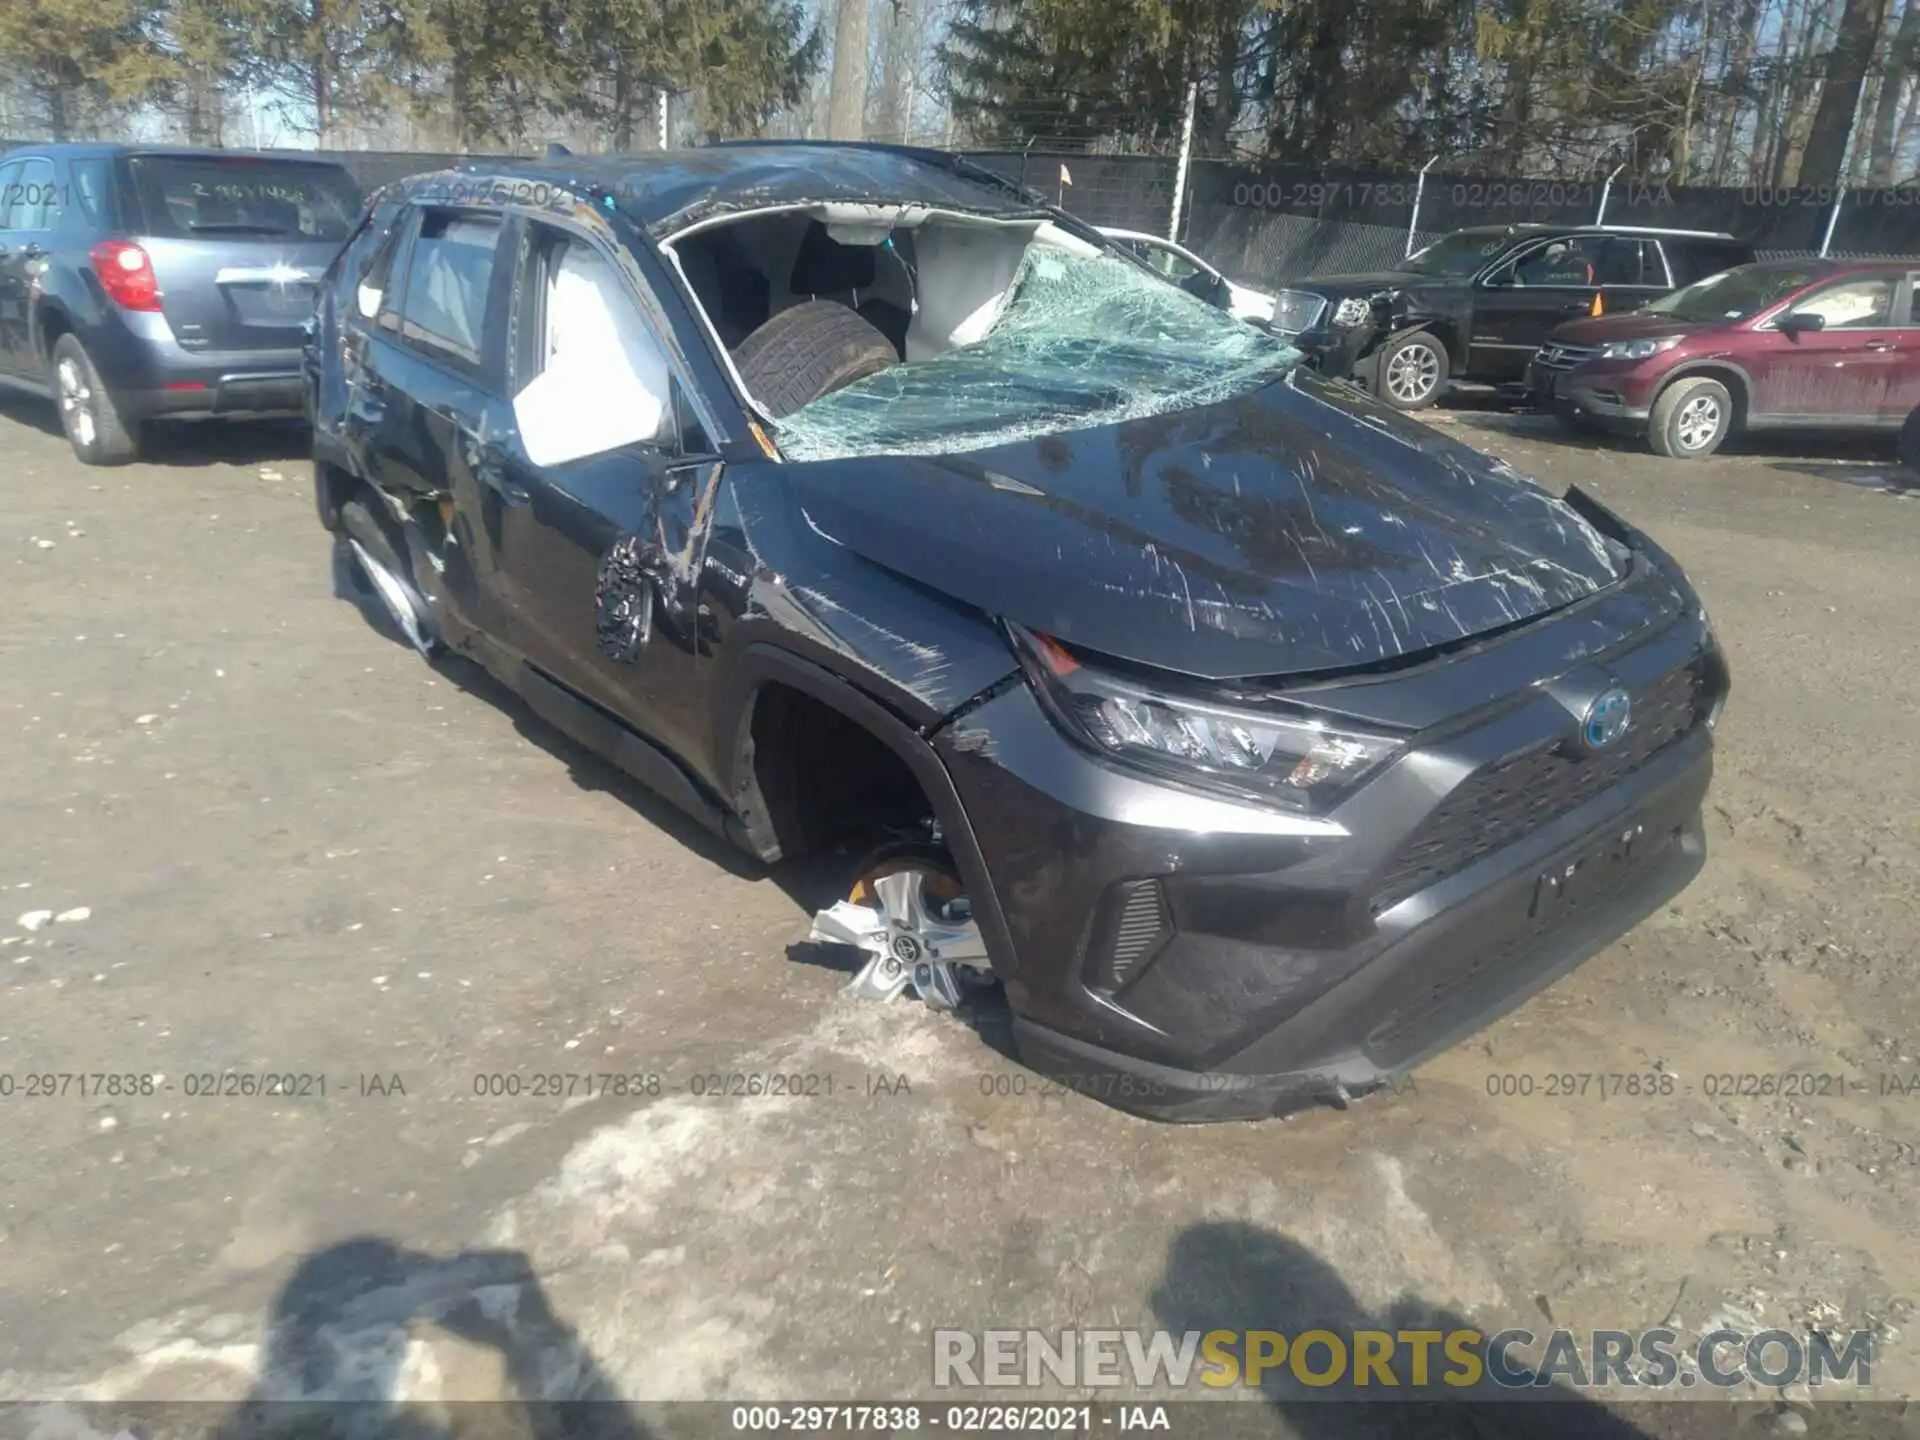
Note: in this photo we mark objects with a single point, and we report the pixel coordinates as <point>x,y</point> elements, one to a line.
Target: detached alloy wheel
<point>87,412</point>
<point>908,913</point>
<point>1413,371</point>
<point>1690,419</point>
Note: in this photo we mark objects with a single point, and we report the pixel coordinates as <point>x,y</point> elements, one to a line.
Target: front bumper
<point>1612,402</point>
<point>1193,959</point>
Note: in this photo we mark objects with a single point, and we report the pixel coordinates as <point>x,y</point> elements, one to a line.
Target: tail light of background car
<point>126,274</point>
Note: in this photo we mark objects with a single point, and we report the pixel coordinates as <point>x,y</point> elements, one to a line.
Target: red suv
<point>1782,344</point>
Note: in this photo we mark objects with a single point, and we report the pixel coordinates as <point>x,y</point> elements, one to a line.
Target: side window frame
<point>379,261</point>
<point>536,242</point>
<point>1893,300</point>
<point>78,215</point>
<point>478,368</point>
<point>9,172</point>
<point>1673,281</point>
<point>399,260</point>
<point>1649,264</point>
<point>1161,258</point>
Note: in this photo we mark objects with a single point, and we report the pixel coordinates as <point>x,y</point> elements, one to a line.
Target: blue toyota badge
<point>1607,719</point>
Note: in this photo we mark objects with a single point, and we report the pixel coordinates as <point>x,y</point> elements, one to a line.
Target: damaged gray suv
<point>1255,740</point>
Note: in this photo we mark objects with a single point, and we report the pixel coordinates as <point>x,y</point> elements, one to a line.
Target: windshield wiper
<point>238,227</point>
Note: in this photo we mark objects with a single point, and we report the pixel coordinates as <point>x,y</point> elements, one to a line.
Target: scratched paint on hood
<point>1289,530</point>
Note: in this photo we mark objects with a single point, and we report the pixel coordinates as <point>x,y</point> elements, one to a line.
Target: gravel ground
<point>272,842</point>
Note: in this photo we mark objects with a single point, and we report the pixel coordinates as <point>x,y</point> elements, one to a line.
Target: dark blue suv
<point>139,282</point>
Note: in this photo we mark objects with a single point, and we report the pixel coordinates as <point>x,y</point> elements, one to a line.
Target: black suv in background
<point>1257,740</point>
<point>138,282</point>
<point>1478,304</point>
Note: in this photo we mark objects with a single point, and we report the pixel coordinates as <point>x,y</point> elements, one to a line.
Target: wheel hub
<point>1699,419</point>
<point>1412,373</point>
<point>912,940</point>
<point>76,402</point>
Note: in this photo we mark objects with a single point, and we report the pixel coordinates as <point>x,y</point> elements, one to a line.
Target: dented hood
<point>1297,528</point>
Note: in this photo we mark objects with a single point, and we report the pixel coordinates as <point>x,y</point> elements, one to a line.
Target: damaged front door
<point>602,556</point>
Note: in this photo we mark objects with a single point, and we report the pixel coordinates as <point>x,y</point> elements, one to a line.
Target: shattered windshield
<point>1082,341</point>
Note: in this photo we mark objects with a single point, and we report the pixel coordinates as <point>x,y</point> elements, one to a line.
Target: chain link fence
<point>1265,224</point>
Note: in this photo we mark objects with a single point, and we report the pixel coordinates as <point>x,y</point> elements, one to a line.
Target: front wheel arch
<point>1736,381</point>
<point>761,667</point>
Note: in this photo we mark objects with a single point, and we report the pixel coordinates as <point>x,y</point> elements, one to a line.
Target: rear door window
<point>1629,262</point>
<point>184,197</point>
<point>449,275</point>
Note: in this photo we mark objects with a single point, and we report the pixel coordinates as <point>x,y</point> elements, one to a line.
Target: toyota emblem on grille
<point>1607,719</point>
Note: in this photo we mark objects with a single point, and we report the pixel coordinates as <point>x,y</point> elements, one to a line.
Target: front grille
<point>1297,310</point>
<point>1556,356</point>
<point>1454,986</point>
<point>1511,798</point>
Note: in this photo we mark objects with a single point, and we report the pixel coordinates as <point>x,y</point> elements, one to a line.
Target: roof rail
<point>1657,230</point>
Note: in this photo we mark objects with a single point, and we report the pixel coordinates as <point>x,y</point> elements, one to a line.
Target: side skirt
<point>637,756</point>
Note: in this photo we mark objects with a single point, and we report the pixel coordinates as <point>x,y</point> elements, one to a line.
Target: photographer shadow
<point>1239,1277</point>
<point>352,1353</point>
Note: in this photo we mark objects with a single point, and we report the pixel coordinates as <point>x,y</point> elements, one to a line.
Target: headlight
<point>1352,311</point>
<point>1638,349</point>
<point>1272,754</point>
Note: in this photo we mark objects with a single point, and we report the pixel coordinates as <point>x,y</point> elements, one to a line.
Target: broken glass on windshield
<point>1083,340</point>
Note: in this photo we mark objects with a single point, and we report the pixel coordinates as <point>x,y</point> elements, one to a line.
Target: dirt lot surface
<point>299,851</point>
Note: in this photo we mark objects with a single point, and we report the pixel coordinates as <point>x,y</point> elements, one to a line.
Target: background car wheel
<point>87,412</point>
<point>1909,443</point>
<point>809,351</point>
<point>1413,371</point>
<point>380,553</point>
<point>1690,419</point>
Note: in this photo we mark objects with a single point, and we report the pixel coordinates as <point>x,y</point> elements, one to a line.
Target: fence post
<point>1186,161</point>
<point>1419,192</point>
<point>1846,169</point>
<point>663,119</point>
<point>1606,190</point>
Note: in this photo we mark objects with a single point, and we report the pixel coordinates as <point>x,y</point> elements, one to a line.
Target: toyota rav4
<point>1255,739</point>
